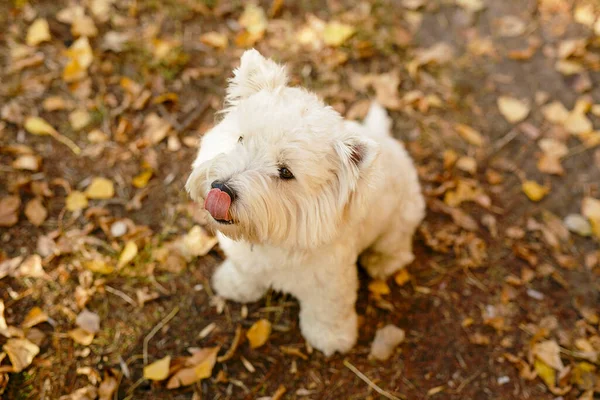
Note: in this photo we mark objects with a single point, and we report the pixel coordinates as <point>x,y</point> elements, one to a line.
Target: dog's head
<point>285,168</point>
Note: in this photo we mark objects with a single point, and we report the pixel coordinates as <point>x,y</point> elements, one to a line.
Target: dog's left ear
<point>254,74</point>
<point>358,153</point>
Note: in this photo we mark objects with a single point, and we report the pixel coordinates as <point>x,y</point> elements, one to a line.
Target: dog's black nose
<point>224,187</point>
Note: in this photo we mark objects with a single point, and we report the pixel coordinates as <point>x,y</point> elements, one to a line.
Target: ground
<point>497,101</point>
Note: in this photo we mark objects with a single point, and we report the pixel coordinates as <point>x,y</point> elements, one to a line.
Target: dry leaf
<point>549,352</point>
<point>379,287</point>
<point>81,336</point>
<point>258,334</point>
<point>36,212</point>
<point>255,22</point>
<point>336,33</point>
<point>199,366</point>
<point>385,342</point>
<point>156,128</point>
<point>100,188</point>
<point>590,208</point>
<point>79,119</point>
<point>141,180</point>
<point>20,352</point>
<point>214,39</point>
<point>402,277</point>
<point>128,254</point>
<point>38,32</point>
<point>38,126</point>
<point>9,210</point>
<point>534,191</point>
<point>545,372</point>
<point>86,393</point>
<point>579,224</point>
<point>80,57</point>
<point>471,5</point>
<point>555,112</point>
<point>584,14</point>
<point>578,123</point>
<point>512,109</point>
<point>158,370</point>
<point>76,201</point>
<point>99,267</point>
<point>109,385</point>
<point>84,26</point>
<point>27,162</point>
<point>196,243</point>
<point>34,317</point>
<point>469,134</point>
<point>31,267</point>
<point>88,321</point>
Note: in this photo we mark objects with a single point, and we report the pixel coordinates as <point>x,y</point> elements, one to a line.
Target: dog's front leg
<point>239,281</point>
<point>328,318</point>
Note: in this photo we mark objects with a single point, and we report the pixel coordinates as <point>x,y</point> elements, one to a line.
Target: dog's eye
<point>240,139</point>
<point>285,173</point>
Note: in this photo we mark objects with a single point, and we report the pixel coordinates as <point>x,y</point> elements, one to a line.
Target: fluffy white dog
<point>297,194</point>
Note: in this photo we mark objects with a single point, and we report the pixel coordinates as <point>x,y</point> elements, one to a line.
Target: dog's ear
<point>357,153</point>
<point>254,74</point>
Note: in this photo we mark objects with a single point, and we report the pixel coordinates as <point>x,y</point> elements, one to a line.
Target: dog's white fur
<point>355,192</point>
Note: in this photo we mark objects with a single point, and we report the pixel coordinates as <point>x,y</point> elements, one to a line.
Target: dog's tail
<point>377,120</point>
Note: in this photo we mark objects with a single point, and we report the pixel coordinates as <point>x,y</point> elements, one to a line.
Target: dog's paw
<point>330,336</point>
<point>229,283</point>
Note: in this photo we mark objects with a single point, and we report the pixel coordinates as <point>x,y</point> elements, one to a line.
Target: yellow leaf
<point>141,180</point>
<point>402,277</point>
<point>79,119</point>
<point>20,352</point>
<point>469,134</point>
<point>214,39</point>
<point>84,26</point>
<point>578,123</point>
<point>555,112</point>
<point>259,333</point>
<point>80,58</point>
<point>545,372</point>
<point>336,33</point>
<point>76,201</point>
<point>471,5</point>
<point>100,188</point>
<point>99,267</point>
<point>534,190</point>
<point>512,109</point>
<point>254,19</point>
<point>81,336</point>
<point>38,32</point>
<point>38,126</point>
<point>379,287</point>
<point>128,254</point>
<point>158,370</point>
<point>591,209</point>
<point>584,15</point>
<point>199,366</point>
<point>34,317</point>
<point>27,162</point>
<point>549,352</point>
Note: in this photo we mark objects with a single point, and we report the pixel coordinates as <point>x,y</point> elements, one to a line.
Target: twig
<point>466,382</point>
<point>503,141</point>
<point>369,382</point>
<point>121,294</point>
<point>234,345</point>
<point>156,329</point>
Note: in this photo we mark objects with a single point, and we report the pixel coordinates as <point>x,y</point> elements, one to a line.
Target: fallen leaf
<point>590,208</point>
<point>555,112</point>
<point>31,267</point>
<point>85,393</point>
<point>35,211</point>
<point>471,5</point>
<point>534,191</point>
<point>259,332</point>
<point>79,119</point>
<point>38,32</point>
<point>549,352</point>
<point>156,128</point>
<point>128,254</point>
<point>336,33</point>
<point>141,180</point>
<point>38,126</point>
<point>88,321</point>
<point>27,162</point>
<point>196,243</point>
<point>402,277</point>
<point>199,366</point>
<point>469,134</point>
<point>76,201</point>
<point>255,22</point>
<point>34,317</point>
<point>81,336</point>
<point>579,224</point>
<point>545,372</point>
<point>109,385</point>
<point>100,188</point>
<point>80,58</point>
<point>9,210</point>
<point>511,26</point>
<point>158,370</point>
<point>99,267</point>
<point>84,26</point>
<point>20,352</point>
<point>584,15</point>
<point>512,109</point>
<point>569,67</point>
<point>214,39</point>
<point>578,123</point>
<point>379,287</point>
<point>385,342</point>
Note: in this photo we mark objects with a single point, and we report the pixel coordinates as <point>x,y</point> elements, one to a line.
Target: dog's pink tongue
<point>217,204</point>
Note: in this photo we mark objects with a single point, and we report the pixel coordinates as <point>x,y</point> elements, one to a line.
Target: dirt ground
<point>497,101</point>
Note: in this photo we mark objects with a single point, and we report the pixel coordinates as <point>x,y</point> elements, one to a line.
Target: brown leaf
<point>385,342</point>
<point>199,366</point>
<point>20,352</point>
<point>158,370</point>
<point>36,212</point>
<point>34,317</point>
<point>259,333</point>
<point>9,210</point>
<point>109,385</point>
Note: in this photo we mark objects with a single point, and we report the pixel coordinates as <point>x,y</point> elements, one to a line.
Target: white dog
<point>297,194</point>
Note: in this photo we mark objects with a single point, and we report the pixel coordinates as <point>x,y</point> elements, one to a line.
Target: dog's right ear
<point>254,74</point>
